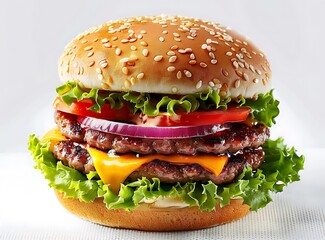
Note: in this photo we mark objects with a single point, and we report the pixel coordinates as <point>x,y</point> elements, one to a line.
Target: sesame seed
<point>145,52</point>
<point>211,84</point>
<point>132,40</point>
<point>177,39</point>
<point>158,58</point>
<point>239,73</point>
<point>246,65</point>
<point>105,86</point>
<point>192,56</point>
<point>90,54</point>
<point>235,64</point>
<point>255,80</point>
<point>103,64</point>
<point>164,32</point>
<point>110,80</point>
<point>114,38</point>
<point>161,39</point>
<point>140,75</point>
<point>188,50</point>
<point>190,37</point>
<point>124,40</point>
<point>179,75</point>
<point>187,73</point>
<point>214,61</point>
<point>172,59</point>
<point>252,68</point>
<point>143,43</point>
<point>98,70</point>
<point>127,84</point>
<point>124,60</point>
<point>229,54</point>
<point>259,72</point>
<point>241,64</point>
<point>211,54</point>
<point>118,51</point>
<point>199,84</point>
<point>174,89</point>
<point>84,41</point>
<point>204,46</point>
<point>100,76</point>
<point>181,51</point>
<point>67,68</point>
<point>171,69</point>
<point>105,40</point>
<point>88,48</point>
<point>174,47</point>
<point>140,36</point>
<point>91,64</point>
<point>107,45</point>
<point>208,41</point>
<point>246,77</point>
<point>143,31</point>
<point>133,48</point>
<point>125,70</point>
<point>176,34</point>
<point>224,72</point>
<point>264,81</point>
<point>132,80</point>
<point>192,62</point>
<point>203,64</point>
<point>237,83</point>
<point>170,53</point>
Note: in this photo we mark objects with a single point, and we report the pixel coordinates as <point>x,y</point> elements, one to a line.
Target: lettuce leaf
<point>73,183</point>
<point>280,168</point>
<point>264,109</point>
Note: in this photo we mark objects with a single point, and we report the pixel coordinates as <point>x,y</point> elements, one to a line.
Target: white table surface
<point>29,209</point>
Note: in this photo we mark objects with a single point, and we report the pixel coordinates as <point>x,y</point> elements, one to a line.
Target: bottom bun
<point>148,218</point>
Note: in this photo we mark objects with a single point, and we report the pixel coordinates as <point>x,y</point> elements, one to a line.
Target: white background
<point>34,33</point>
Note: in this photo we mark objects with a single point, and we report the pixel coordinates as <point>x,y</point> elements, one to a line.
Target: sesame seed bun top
<point>168,55</point>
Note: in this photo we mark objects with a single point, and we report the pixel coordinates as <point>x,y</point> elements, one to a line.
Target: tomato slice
<point>81,108</point>
<point>198,118</point>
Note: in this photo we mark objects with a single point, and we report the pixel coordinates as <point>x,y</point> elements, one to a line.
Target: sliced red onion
<point>131,130</point>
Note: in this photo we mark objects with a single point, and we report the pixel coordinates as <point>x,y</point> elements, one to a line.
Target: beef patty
<point>77,157</point>
<point>238,137</point>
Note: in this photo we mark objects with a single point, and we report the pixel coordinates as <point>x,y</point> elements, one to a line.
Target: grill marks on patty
<point>240,136</point>
<point>77,157</point>
<point>241,143</point>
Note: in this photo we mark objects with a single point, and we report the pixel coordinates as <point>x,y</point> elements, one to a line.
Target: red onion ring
<point>131,130</point>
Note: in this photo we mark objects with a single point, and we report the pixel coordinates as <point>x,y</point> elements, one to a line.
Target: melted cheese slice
<point>114,169</point>
<point>54,136</point>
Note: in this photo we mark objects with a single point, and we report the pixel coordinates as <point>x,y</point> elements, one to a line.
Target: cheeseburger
<point>163,124</point>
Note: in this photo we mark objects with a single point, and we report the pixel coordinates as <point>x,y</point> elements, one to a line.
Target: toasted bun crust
<point>147,218</point>
<point>168,55</point>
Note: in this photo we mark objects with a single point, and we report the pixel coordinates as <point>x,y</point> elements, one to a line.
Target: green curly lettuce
<point>280,168</point>
<point>62,178</point>
<point>264,109</point>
